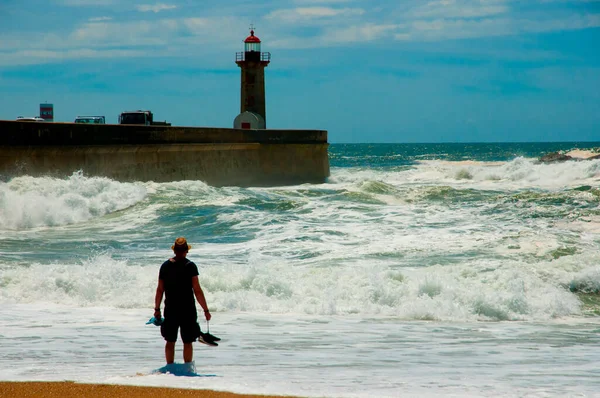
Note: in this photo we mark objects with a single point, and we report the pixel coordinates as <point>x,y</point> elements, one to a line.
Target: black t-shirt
<point>179,293</point>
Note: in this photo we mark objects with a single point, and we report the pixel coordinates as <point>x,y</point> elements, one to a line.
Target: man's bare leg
<point>170,352</point>
<point>188,352</point>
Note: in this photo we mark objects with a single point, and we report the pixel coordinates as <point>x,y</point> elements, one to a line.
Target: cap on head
<point>181,245</point>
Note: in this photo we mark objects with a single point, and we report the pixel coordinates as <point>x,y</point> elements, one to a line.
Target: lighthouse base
<point>249,120</point>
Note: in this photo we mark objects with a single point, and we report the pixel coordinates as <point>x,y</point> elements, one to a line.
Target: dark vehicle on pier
<point>140,117</point>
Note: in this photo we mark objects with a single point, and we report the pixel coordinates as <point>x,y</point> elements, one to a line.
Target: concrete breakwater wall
<point>217,156</point>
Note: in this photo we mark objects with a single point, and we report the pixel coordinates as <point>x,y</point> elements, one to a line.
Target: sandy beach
<point>76,390</point>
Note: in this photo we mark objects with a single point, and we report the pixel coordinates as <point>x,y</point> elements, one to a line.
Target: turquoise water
<point>435,269</point>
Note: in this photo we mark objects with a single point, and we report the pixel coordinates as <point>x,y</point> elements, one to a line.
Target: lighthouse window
<point>252,47</point>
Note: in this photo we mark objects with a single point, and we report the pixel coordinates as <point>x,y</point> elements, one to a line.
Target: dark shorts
<point>190,330</point>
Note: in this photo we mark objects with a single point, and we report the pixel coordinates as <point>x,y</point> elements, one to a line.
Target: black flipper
<point>204,339</point>
<point>211,337</point>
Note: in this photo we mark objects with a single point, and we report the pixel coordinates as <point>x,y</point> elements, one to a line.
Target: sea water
<point>415,270</point>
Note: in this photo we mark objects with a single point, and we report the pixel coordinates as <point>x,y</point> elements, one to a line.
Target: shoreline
<point>71,389</point>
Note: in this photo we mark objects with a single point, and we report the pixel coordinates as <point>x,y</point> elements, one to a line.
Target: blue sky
<point>365,70</point>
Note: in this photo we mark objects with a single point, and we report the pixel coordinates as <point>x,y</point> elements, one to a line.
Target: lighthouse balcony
<point>252,56</point>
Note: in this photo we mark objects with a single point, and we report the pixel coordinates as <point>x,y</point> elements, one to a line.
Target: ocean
<point>417,270</point>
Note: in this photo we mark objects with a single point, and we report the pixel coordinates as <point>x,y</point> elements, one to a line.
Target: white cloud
<point>218,27</point>
<point>102,37</point>
<point>87,3</point>
<point>33,57</point>
<point>444,29</point>
<point>119,34</point>
<point>336,36</point>
<point>323,1</point>
<point>358,34</point>
<point>459,9</point>
<point>570,1</point>
<point>155,7</point>
<point>306,14</point>
<point>197,24</point>
<point>100,19</point>
<point>219,32</point>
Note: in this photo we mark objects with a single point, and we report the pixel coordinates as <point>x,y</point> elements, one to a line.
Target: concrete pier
<point>217,156</point>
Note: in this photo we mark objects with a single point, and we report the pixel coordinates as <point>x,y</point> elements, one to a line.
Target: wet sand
<point>76,390</point>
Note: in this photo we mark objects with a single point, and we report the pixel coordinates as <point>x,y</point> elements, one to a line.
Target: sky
<point>367,71</point>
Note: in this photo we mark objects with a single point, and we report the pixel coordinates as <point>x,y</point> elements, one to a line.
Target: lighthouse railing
<point>241,56</point>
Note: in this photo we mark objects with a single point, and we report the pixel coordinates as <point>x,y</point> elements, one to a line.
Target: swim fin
<point>211,337</point>
<point>206,338</point>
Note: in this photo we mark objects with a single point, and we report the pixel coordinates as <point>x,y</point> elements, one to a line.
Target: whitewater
<point>416,270</point>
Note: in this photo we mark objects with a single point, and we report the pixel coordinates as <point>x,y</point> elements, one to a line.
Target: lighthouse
<point>252,96</point>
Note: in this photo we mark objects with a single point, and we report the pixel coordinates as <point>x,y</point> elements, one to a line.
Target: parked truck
<point>140,117</point>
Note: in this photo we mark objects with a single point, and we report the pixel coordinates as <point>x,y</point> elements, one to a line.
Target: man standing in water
<point>178,280</point>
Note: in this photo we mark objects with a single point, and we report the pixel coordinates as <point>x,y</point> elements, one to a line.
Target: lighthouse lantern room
<point>252,43</point>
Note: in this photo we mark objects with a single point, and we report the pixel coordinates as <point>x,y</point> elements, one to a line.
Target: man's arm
<point>200,297</point>
<point>160,290</point>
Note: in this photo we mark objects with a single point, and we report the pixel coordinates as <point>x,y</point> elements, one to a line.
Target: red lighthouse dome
<point>252,38</point>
